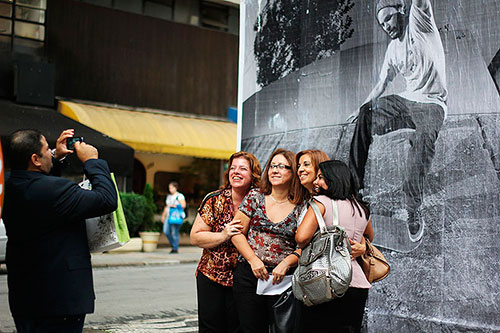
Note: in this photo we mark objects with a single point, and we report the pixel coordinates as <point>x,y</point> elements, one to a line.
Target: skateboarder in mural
<point>416,52</point>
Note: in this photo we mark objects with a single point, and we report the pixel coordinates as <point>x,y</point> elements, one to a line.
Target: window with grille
<point>22,25</point>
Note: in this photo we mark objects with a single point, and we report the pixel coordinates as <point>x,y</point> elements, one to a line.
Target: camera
<point>70,142</point>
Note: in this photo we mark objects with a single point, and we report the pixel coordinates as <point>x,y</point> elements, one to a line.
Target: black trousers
<point>341,315</point>
<point>216,307</point>
<point>255,311</point>
<point>390,113</point>
<point>60,324</point>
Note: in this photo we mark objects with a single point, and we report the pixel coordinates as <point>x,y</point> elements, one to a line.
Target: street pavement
<point>178,321</point>
<point>145,299</point>
<point>162,256</point>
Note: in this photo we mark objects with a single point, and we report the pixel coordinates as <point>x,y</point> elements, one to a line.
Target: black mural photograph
<point>406,93</point>
<point>416,53</point>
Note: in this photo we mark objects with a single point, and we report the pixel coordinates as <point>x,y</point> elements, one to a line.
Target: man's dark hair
<point>21,145</point>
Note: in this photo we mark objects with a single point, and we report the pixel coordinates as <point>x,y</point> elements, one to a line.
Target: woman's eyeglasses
<point>279,166</point>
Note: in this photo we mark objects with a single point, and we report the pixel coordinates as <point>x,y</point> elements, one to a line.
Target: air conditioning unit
<point>34,83</point>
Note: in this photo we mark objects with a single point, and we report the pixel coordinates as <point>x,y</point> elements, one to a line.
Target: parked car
<point>3,242</point>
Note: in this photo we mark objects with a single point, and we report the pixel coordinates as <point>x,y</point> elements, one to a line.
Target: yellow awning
<point>156,132</point>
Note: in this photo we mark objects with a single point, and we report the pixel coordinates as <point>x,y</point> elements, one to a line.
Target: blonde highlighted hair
<point>317,156</point>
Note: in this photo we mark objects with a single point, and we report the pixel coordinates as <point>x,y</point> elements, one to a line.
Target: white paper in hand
<point>268,288</point>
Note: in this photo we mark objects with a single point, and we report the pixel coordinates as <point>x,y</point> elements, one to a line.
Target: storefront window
<point>5,10</point>
<point>42,4</point>
<point>29,30</point>
<point>22,25</point>
<point>5,26</point>
<point>29,14</point>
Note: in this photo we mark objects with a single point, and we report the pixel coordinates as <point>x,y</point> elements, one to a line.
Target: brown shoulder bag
<point>373,263</point>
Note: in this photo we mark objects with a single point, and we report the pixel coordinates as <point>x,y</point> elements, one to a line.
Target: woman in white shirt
<point>173,215</point>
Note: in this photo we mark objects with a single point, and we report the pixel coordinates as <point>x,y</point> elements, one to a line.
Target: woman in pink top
<point>334,182</point>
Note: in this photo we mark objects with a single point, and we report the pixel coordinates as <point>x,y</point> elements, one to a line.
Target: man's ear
<point>35,160</point>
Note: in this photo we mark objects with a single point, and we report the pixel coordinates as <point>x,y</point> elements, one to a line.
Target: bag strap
<point>335,213</point>
<point>319,217</point>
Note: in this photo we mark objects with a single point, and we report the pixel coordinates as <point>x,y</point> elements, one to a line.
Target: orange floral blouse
<point>218,263</point>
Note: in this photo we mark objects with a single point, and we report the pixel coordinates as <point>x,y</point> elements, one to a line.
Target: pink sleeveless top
<point>354,225</point>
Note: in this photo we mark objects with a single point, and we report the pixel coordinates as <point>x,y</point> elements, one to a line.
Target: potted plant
<point>132,204</point>
<point>150,232</point>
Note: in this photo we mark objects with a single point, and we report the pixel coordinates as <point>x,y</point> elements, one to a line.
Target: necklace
<point>278,202</point>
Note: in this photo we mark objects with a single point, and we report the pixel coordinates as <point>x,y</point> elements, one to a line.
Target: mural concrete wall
<point>445,280</point>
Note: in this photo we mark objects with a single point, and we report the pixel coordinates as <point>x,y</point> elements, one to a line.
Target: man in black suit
<point>48,260</point>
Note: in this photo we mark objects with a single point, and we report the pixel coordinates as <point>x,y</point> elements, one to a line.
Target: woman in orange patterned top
<point>212,230</point>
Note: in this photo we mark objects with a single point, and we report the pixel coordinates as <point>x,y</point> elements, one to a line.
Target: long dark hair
<point>341,185</point>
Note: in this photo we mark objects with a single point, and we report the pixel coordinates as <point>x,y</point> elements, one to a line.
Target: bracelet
<point>296,254</point>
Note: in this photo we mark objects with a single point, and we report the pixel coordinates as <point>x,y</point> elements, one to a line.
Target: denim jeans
<point>390,113</point>
<point>172,233</point>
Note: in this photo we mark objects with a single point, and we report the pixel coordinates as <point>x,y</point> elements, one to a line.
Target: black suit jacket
<point>48,259</point>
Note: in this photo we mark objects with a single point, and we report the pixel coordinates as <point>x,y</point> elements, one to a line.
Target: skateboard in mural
<point>395,234</point>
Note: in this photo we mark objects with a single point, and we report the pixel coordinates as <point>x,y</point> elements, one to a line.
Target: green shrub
<point>149,209</point>
<point>134,210</point>
<point>186,227</point>
<point>158,226</point>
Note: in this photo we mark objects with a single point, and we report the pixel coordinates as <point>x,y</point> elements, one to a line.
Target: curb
<point>144,263</point>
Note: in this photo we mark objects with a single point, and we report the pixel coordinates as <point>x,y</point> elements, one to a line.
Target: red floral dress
<point>271,242</point>
<point>218,263</point>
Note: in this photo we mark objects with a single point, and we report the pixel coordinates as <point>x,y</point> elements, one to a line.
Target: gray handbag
<point>324,271</point>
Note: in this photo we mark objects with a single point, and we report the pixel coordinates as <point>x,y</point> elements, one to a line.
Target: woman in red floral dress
<point>212,230</point>
<point>269,251</point>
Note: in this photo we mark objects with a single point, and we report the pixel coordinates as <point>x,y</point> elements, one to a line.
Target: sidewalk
<point>162,256</point>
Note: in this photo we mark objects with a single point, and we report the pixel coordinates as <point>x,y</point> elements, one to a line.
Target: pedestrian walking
<point>173,215</point>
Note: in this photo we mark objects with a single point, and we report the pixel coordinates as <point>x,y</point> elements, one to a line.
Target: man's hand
<point>85,151</point>
<point>61,148</point>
